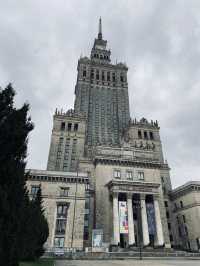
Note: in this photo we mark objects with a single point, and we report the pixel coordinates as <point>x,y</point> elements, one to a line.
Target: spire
<point>100,30</point>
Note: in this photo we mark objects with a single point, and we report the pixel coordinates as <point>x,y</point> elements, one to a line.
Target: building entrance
<point>123,240</point>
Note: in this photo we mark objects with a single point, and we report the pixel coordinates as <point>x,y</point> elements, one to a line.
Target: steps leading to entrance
<point>127,255</point>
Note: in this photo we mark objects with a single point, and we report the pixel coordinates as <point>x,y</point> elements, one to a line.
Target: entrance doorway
<point>123,240</point>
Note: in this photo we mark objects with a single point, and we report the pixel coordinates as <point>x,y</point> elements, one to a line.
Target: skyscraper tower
<point>102,94</point>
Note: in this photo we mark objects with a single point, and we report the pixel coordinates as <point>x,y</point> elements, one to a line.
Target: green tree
<point>15,126</point>
<point>35,229</point>
<point>23,226</point>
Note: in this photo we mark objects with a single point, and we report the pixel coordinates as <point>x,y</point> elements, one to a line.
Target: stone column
<point>131,233</point>
<point>159,229</point>
<point>145,229</point>
<point>116,235</point>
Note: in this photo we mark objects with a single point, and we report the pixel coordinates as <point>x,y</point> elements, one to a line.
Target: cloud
<point>41,42</point>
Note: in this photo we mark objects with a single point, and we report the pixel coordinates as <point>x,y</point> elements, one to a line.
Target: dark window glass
<point>181,203</point>
<point>62,210</point>
<point>184,219</point>
<point>103,75</point>
<point>92,74</point>
<point>62,127</point>
<point>108,76</point>
<point>60,226</point>
<point>84,73</point>
<point>97,74</point>
<point>69,126</point>
<point>171,238</point>
<point>113,77</point>
<point>34,190</point>
<point>167,214</point>
<point>145,135</point>
<point>151,135</point>
<point>166,203</point>
<point>75,127</point>
<point>139,134</point>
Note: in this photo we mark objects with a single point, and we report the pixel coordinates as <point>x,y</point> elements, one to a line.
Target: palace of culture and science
<point>107,185</point>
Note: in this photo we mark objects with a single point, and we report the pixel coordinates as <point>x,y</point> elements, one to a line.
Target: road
<point>129,262</point>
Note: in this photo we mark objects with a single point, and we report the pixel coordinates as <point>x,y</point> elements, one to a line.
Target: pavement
<point>129,262</point>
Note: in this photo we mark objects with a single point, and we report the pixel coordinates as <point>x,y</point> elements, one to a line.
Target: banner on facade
<point>97,237</point>
<point>123,217</point>
<point>151,218</point>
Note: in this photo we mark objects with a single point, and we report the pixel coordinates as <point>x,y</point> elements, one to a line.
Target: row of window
<point>101,56</point>
<point>129,175</point>
<point>145,135</point>
<point>68,126</point>
<point>103,75</point>
<point>61,221</point>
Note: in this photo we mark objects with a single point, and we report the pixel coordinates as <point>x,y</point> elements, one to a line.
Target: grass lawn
<point>41,262</point>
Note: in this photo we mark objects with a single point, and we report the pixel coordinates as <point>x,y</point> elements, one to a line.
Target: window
<point>141,175</point>
<point>34,190</point>
<point>97,74</point>
<point>92,74</point>
<point>166,203</point>
<point>121,78</point>
<point>184,219</point>
<point>62,127</point>
<point>113,77</point>
<point>139,134</point>
<point>108,76</point>
<point>117,174</point>
<point>151,135</point>
<point>169,226</point>
<point>145,135</point>
<point>64,191</point>
<point>175,206</point>
<point>75,127</point>
<point>62,210</point>
<point>103,76</point>
<point>177,219</point>
<point>59,242</point>
<point>60,226</point>
<point>129,175</point>
<point>84,73</point>
<point>171,238</point>
<point>181,203</point>
<point>167,214</point>
<point>69,126</point>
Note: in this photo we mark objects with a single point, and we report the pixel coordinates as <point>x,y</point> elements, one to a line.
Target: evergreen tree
<point>14,129</point>
<point>35,230</point>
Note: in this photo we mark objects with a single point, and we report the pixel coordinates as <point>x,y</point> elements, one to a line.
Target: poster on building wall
<point>97,237</point>
<point>151,218</point>
<point>123,217</point>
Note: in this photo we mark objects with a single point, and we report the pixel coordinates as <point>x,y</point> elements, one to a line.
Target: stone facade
<point>65,197</point>
<point>130,197</point>
<point>186,209</point>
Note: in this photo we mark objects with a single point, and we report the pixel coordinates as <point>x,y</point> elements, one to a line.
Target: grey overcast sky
<point>41,41</point>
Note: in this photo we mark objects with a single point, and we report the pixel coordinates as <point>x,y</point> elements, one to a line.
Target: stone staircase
<point>127,254</point>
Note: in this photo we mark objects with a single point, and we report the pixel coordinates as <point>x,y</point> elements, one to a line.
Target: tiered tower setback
<point>102,94</point>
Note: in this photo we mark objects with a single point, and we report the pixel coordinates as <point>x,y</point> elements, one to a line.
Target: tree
<point>35,229</point>
<point>14,129</point>
<point>15,206</point>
